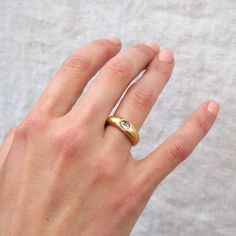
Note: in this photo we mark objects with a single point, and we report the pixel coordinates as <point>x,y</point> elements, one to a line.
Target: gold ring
<point>125,126</point>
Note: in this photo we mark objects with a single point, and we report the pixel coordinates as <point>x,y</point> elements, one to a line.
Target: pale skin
<point>62,172</point>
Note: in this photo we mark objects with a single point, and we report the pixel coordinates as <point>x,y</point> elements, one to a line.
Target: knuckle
<point>86,115</point>
<point>119,68</point>
<point>104,164</point>
<point>77,61</point>
<point>141,97</point>
<point>67,141</point>
<point>178,150</point>
<point>21,133</point>
<point>76,137</point>
<point>103,167</point>
<point>33,124</point>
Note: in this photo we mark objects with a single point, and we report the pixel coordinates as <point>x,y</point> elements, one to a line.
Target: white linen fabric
<point>199,197</point>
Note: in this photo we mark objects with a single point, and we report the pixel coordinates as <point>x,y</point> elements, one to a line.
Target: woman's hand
<point>62,172</point>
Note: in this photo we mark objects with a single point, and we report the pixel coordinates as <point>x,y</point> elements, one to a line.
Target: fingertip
<point>153,45</point>
<point>114,39</point>
<point>213,107</point>
<point>166,55</point>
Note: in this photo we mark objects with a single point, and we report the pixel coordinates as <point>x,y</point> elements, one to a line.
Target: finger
<point>70,80</point>
<point>142,95</point>
<point>112,81</point>
<point>158,164</point>
<point>6,144</point>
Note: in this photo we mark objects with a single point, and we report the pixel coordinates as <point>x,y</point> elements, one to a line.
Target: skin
<point>63,173</point>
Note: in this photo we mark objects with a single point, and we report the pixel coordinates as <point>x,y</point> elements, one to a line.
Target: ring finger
<point>142,95</point>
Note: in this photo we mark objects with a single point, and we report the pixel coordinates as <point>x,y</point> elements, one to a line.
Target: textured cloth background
<point>199,198</point>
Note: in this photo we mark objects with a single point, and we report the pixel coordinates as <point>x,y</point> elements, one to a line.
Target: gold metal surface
<point>125,127</point>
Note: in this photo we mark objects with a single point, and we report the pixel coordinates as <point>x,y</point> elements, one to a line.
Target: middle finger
<point>112,81</point>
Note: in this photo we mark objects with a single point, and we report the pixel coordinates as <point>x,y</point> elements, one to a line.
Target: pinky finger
<point>158,164</point>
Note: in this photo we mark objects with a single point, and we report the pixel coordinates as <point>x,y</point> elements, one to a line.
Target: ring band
<point>125,127</point>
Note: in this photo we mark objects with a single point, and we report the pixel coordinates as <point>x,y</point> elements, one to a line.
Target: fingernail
<point>213,107</point>
<point>166,55</point>
<point>114,39</point>
<point>153,45</point>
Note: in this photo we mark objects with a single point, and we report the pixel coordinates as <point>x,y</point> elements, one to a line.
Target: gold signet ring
<point>125,127</point>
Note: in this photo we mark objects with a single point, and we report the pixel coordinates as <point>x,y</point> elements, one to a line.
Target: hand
<point>63,173</point>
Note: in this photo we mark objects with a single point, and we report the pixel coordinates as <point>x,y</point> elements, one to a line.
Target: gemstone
<point>124,124</point>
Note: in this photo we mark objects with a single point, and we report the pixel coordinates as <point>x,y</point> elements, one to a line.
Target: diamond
<point>124,124</point>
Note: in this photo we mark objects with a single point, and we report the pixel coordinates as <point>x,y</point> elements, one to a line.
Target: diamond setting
<point>125,124</point>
